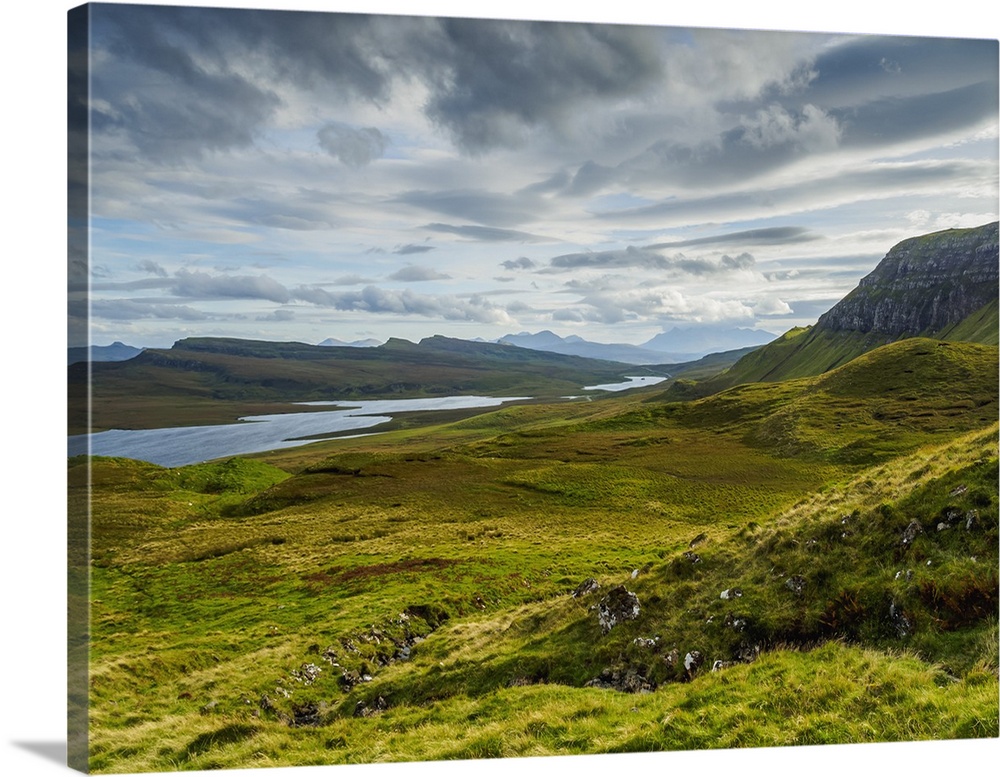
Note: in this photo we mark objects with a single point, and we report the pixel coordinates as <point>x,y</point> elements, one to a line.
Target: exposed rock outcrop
<point>619,605</point>
<point>923,285</point>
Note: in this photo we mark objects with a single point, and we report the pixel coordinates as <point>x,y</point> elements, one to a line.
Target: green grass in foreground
<point>408,596</point>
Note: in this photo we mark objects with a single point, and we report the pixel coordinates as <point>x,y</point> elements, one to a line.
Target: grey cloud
<point>883,90</point>
<point>201,102</point>
<point>554,183</point>
<point>743,261</point>
<point>708,266</point>
<point>352,280</point>
<point>934,87</point>
<point>151,267</point>
<point>486,234</point>
<point>871,182</point>
<point>126,310</point>
<point>754,145</point>
<point>484,207</point>
<point>865,68</point>
<point>146,283</point>
<point>586,285</point>
<point>413,248</point>
<point>193,283</point>
<point>521,263</point>
<point>765,236</point>
<point>627,257</point>
<point>277,210</point>
<point>198,105</point>
<point>591,177</point>
<point>895,119</point>
<point>415,273</point>
<point>661,304</point>
<point>281,314</point>
<point>489,82</point>
<point>568,314</point>
<point>642,258</point>
<point>508,77</point>
<point>354,147</point>
<point>372,299</point>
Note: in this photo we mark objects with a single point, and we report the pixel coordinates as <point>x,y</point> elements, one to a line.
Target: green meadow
<point>814,561</point>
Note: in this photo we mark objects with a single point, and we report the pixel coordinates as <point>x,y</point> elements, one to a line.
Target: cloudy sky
<point>300,175</point>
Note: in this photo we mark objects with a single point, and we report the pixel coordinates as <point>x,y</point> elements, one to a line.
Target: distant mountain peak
<point>702,339</point>
<point>333,341</point>
<point>116,352</point>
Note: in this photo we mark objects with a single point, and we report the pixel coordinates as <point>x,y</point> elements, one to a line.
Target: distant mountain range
<point>116,352</point>
<point>680,344</point>
<point>369,343</point>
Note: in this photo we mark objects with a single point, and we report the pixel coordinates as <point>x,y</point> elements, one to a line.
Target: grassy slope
<point>218,588</point>
<point>806,351</point>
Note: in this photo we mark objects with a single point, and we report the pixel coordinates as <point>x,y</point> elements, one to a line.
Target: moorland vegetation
<point>804,560</point>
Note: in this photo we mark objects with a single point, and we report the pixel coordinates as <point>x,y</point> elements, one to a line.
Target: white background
<point>32,284</point>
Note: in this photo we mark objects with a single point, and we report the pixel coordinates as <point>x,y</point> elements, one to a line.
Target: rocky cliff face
<point>923,285</point>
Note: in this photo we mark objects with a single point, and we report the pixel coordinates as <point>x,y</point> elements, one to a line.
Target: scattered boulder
<point>694,558</point>
<point>330,656</point>
<point>307,673</point>
<point>795,584</point>
<point>958,491</point>
<point>692,661</point>
<point>698,540</point>
<point>624,680</point>
<point>349,645</point>
<point>731,593</point>
<point>971,519</point>
<point>746,653</point>
<point>588,586</point>
<point>949,517</point>
<point>646,642</point>
<point>910,533</point>
<point>349,679</point>
<point>736,623</point>
<point>365,709</point>
<point>618,605</point>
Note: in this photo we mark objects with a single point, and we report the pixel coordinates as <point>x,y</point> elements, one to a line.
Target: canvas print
<point>459,388</point>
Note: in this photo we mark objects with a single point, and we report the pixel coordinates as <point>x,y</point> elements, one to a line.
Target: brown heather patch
<point>338,575</point>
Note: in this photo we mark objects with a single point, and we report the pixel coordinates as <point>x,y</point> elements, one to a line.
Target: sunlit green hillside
<point>788,563</point>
